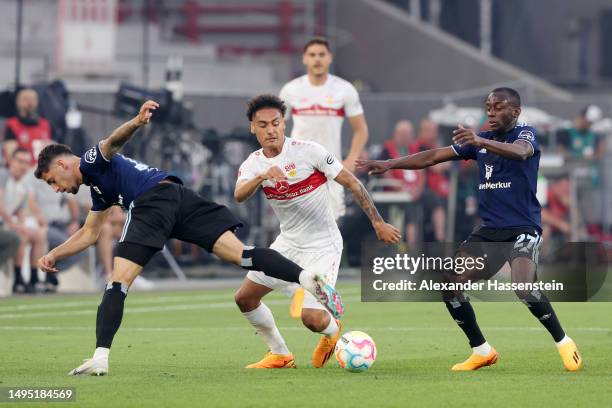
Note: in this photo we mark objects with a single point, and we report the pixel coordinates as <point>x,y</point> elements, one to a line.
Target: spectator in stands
<point>555,214</point>
<point>411,181</point>
<point>436,187</point>
<point>16,199</point>
<point>27,130</point>
<point>579,141</point>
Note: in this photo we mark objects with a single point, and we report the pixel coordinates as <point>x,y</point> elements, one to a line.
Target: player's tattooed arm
<point>246,188</point>
<point>123,133</point>
<point>415,161</point>
<point>385,232</point>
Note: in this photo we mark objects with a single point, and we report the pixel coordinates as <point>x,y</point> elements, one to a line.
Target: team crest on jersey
<point>291,169</point>
<point>488,171</point>
<point>526,135</point>
<point>91,155</point>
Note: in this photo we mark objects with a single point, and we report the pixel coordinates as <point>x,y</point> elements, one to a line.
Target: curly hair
<point>265,101</point>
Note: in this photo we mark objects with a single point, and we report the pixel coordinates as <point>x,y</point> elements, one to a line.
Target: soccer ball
<point>355,351</point>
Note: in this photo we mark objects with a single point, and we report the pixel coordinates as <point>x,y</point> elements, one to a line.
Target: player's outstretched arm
<point>246,188</point>
<point>415,161</point>
<point>84,237</point>
<point>387,233</point>
<point>123,133</point>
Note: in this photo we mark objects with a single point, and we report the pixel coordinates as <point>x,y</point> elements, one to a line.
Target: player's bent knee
<point>246,302</point>
<point>314,319</point>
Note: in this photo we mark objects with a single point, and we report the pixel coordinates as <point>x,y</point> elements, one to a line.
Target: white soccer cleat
<point>314,283</point>
<point>91,366</point>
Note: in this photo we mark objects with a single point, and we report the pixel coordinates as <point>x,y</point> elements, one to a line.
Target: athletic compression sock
<point>540,307</point>
<point>271,263</point>
<point>262,320</point>
<point>110,313</point>
<point>464,316</point>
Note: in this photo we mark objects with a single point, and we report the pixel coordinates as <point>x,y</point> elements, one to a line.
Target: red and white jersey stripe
<point>302,202</point>
<point>317,112</point>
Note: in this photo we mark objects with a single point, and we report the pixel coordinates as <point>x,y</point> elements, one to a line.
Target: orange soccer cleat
<point>275,361</point>
<point>476,361</point>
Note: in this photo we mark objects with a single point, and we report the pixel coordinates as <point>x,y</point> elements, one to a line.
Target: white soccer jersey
<point>318,111</point>
<point>302,202</point>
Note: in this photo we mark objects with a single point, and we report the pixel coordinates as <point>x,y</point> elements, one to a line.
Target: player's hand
<point>387,233</point>
<point>274,174</point>
<point>146,112</point>
<point>373,166</point>
<point>463,136</point>
<point>47,264</point>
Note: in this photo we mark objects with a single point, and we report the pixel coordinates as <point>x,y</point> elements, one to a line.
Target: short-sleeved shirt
<point>301,203</point>
<point>16,192</point>
<point>318,111</point>
<point>507,188</point>
<point>117,181</point>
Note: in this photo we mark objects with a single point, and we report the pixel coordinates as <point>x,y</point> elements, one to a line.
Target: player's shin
<point>277,266</point>
<point>540,307</point>
<point>262,320</point>
<point>110,313</point>
<point>271,263</point>
<point>462,312</point>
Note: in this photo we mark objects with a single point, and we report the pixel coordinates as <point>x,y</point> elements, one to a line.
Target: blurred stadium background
<point>92,62</point>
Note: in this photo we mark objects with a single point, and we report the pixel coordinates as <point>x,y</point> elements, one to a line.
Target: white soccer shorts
<point>326,262</point>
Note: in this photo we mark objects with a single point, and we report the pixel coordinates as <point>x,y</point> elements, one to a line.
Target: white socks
<point>483,350</point>
<point>262,320</point>
<point>101,352</point>
<point>564,340</point>
<point>331,329</point>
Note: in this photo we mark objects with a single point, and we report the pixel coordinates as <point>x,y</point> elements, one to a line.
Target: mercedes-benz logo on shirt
<point>90,156</point>
<point>282,186</point>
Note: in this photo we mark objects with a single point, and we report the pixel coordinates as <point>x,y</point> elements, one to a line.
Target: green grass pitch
<point>189,349</point>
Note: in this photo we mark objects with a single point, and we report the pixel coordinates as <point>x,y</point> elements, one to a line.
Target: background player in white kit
<point>293,175</point>
<point>317,103</point>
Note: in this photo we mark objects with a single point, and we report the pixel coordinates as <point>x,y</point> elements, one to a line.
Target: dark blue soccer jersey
<point>117,181</point>
<point>507,189</point>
